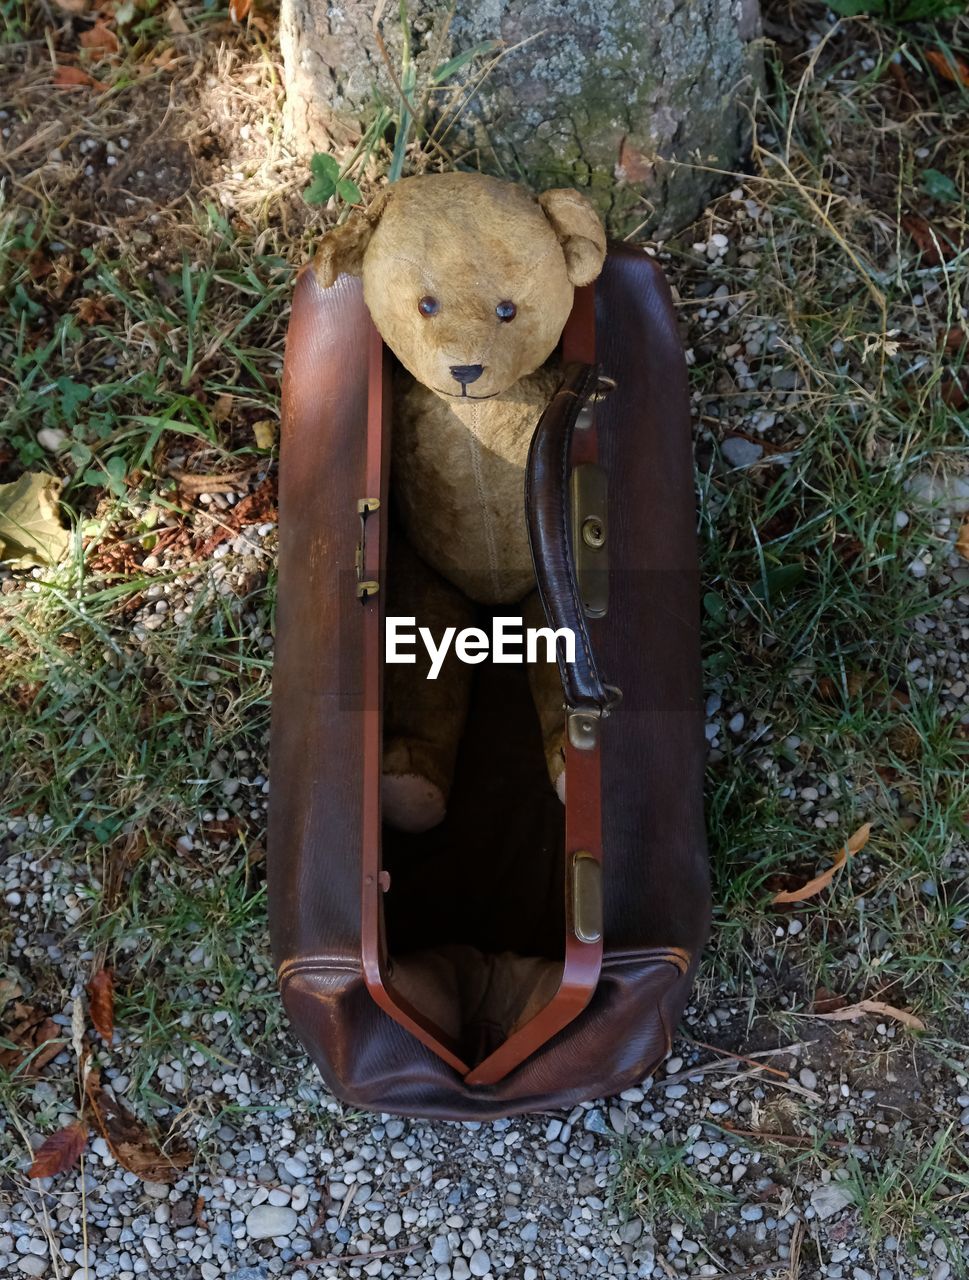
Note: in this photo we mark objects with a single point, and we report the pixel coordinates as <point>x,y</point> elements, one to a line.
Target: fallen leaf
<point>71,6</point>
<point>10,989</point>
<point>62,277</point>
<point>843,1230</point>
<point>163,60</point>
<point>852,1011</point>
<point>633,165</point>
<point>37,262</point>
<point>962,542</point>
<point>934,247</point>
<point>826,1001</point>
<point>60,1152</point>
<point>190,483</point>
<point>954,393</point>
<point>955,340</point>
<point>100,993</point>
<point>222,407</point>
<point>239,9</point>
<point>100,41</point>
<point>91,309</point>
<point>34,1038</point>
<point>949,66</point>
<point>72,77</point>
<point>855,844</point>
<point>897,73</point>
<point>120,860</point>
<point>129,1141</point>
<point>264,433</point>
<point>255,508</point>
<point>176,23</point>
<point>30,529</point>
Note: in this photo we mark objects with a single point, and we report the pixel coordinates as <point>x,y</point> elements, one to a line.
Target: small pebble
<point>479,1263</point>
<point>267,1221</point>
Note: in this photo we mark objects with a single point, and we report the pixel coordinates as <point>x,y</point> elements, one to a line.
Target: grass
<point>656,1182</point>
<point>812,605</point>
<point>156,347</point>
<point>813,614</point>
<point>909,1192</point>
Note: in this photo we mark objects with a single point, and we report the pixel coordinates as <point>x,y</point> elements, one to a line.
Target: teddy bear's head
<point>468,279</point>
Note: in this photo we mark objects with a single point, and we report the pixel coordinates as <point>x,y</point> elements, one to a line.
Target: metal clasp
<point>583,728</point>
<point>586,897</point>
<point>590,529</point>
<point>365,587</point>
<point>586,415</point>
<point>582,723</point>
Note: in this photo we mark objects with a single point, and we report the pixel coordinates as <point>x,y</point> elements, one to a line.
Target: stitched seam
<point>533,271</point>
<point>492,549</point>
<point>583,631</point>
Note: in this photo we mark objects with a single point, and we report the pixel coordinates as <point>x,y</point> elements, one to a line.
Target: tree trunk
<point>635,101</point>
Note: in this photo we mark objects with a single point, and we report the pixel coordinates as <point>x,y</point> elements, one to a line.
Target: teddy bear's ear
<point>341,250</point>
<point>580,232</point>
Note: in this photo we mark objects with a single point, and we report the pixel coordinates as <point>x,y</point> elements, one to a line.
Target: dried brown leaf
<point>90,309</point>
<point>10,989</point>
<point>100,41</point>
<point>826,1001</point>
<point>852,1011</point>
<point>256,507</point>
<point>71,6</point>
<point>100,993</point>
<point>856,843</point>
<point>222,407</point>
<point>72,77</point>
<point>962,542</point>
<point>129,1141</point>
<point>955,339</point>
<point>164,60</point>
<point>192,484</point>
<point>176,23</point>
<point>35,1039</point>
<point>934,246</point>
<point>60,1152</point>
<point>949,66</point>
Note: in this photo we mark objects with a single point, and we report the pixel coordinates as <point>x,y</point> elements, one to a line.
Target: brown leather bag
<point>521,956</point>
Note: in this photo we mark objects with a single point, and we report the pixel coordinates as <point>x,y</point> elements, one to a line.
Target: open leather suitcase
<point>524,955</point>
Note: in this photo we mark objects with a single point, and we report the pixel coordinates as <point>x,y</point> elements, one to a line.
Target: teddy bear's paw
<point>555,762</point>
<point>411,802</point>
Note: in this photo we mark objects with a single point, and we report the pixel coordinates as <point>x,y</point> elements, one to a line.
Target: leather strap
<point>549,536</point>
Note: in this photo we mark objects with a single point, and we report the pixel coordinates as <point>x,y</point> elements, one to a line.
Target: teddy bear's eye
<point>506,311</point>
<point>428,306</point>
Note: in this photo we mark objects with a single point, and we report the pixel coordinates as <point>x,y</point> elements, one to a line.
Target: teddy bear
<point>469,280</point>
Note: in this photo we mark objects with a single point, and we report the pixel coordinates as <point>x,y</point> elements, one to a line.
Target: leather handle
<point>549,537</point>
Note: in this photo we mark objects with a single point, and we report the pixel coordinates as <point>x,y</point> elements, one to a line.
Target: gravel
<point>287,1179</point>
<point>740,452</point>
<point>267,1221</point>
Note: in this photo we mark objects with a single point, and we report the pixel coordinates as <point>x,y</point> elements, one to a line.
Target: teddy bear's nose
<point>465,373</point>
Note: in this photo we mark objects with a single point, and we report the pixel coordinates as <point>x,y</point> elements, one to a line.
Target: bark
<point>635,101</point>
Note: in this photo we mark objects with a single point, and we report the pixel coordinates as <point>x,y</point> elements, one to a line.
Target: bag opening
<point>474,923</point>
